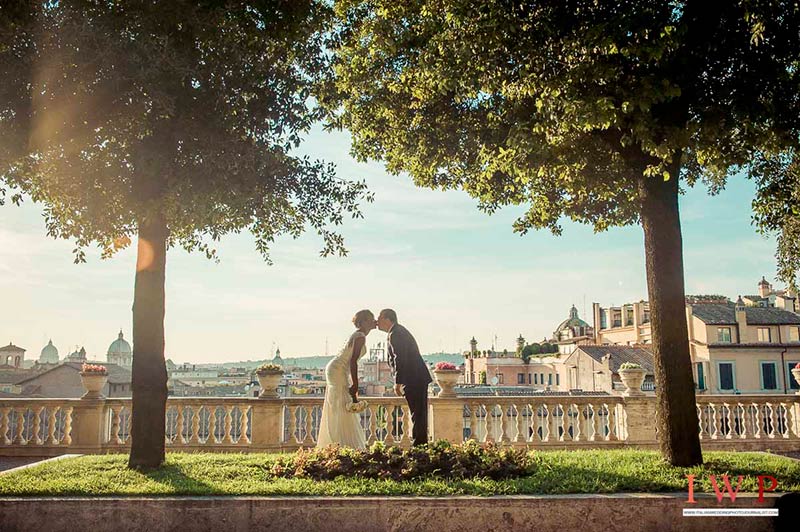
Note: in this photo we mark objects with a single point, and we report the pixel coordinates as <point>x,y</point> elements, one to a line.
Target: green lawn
<point>251,474</point>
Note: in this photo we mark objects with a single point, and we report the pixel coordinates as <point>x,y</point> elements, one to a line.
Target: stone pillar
<point>447,419</point>
<point>267,430</point>
<point>89,425</point>
<point>639,420</point>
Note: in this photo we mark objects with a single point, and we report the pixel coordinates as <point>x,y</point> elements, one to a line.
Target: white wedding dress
<point>337,425</point>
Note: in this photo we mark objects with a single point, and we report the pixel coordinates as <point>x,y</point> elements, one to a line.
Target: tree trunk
<point>149,378</point>
<point>676,414</point>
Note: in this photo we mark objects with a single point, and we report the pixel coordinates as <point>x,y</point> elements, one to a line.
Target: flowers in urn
<point>93,378</point>
<point>268,368</point>
<point>632,376</point>
<point>94,369</point>
<point>446,374</point>
<point>269,378</point>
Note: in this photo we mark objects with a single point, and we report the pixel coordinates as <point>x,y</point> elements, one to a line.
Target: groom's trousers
<point>417,398</point>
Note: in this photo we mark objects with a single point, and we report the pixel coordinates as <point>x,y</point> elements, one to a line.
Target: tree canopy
<point>193,109</point>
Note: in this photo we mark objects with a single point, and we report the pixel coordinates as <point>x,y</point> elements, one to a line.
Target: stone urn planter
<point>796,375</point>
<point>447,380</point>
<point>93,382</point>
<point>632,378</point>
<point>269,380</point>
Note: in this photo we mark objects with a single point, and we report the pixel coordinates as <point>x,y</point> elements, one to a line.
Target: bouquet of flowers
<point>445,366</point>
<point>355,406</point>
<point>94,368</point>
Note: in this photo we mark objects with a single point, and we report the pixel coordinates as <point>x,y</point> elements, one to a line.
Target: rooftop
<point>719,314</point>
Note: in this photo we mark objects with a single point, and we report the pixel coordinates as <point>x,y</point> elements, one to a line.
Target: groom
<point>411,375</point>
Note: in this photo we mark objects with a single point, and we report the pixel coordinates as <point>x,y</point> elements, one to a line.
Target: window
<point>549,379</point>
<point>628,316</point>
<point>603,319</point>
<point>726,380</point>
<point>541,379</point>
<point>724,335</point>
<point>529,378</point>
<point>558,380</point>
<point>499,378</point>
<point>646,317</point>
<point>769,376</point>
<point>763,334</point>
<point>792,383</point>
<point>520,378</point>
<point>536,378</point>
<point>794,334</point>
<point>701,377</point>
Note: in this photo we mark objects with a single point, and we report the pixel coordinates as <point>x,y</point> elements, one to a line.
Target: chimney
<point>764,288</point>
<point>596,319</point>
<point>741,319</point>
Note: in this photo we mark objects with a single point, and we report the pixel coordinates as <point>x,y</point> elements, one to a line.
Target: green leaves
<point>191,110</point>
<point>560,106</point>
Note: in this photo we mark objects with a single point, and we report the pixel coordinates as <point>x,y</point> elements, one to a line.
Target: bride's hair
<point>362,315</point>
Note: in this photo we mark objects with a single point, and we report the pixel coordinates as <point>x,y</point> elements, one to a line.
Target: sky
<point>450,271</point>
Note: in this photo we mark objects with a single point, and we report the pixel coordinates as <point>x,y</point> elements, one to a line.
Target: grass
<point>556,472</point>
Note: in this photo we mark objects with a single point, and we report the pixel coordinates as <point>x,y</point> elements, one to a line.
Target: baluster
<point>792,422</point>
<point>307,437</point>
<point>115,423</point>
<point>741,414</point>
<point>506,421</point>
<point>700,414</point>
<point>228,438</point>
<point>245,425</point>
<point>714,421</point>
<point>756,415</point>
<point>179,424</point>
<point>405,437</point>
<point>530,428</point>
<point>292,424</point>
<point>473,422</point>
<point>4,424</point>
<point>564,419</point>
<point>194,436</point>
<point>37,424</point>
<point>729,417</point>
<point>20,439</point>
<point>68,427</point>
<point>773,426</point>
<point>591,427</point>
<point>545,422</point>
<point>212,426</point>
<point>521,435</point>
<point>391,425</point>
<point>613,422</point>
<point>576,422</point>
<point>373,425</point>
<point>51,427</point>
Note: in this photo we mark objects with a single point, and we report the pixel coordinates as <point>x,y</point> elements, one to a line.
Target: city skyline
<point>450,271</point>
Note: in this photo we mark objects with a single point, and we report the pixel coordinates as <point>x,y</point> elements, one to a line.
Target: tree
<point>592,111</point>
<point>175,123</point>
<point>776,207</point>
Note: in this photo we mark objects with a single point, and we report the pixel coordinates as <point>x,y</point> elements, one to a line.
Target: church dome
<point>49,354</point>
<point>120,346</point>
<point>572,321</point>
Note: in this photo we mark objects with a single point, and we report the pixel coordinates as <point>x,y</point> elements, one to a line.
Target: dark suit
<point>410,370</point>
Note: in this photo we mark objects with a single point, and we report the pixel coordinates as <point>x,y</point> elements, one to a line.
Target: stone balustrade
<point>49,427</point>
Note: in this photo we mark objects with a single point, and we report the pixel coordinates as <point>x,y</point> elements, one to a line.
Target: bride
<point>338,425</point>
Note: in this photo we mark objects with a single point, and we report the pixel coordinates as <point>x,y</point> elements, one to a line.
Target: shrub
<point>439,459</point>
